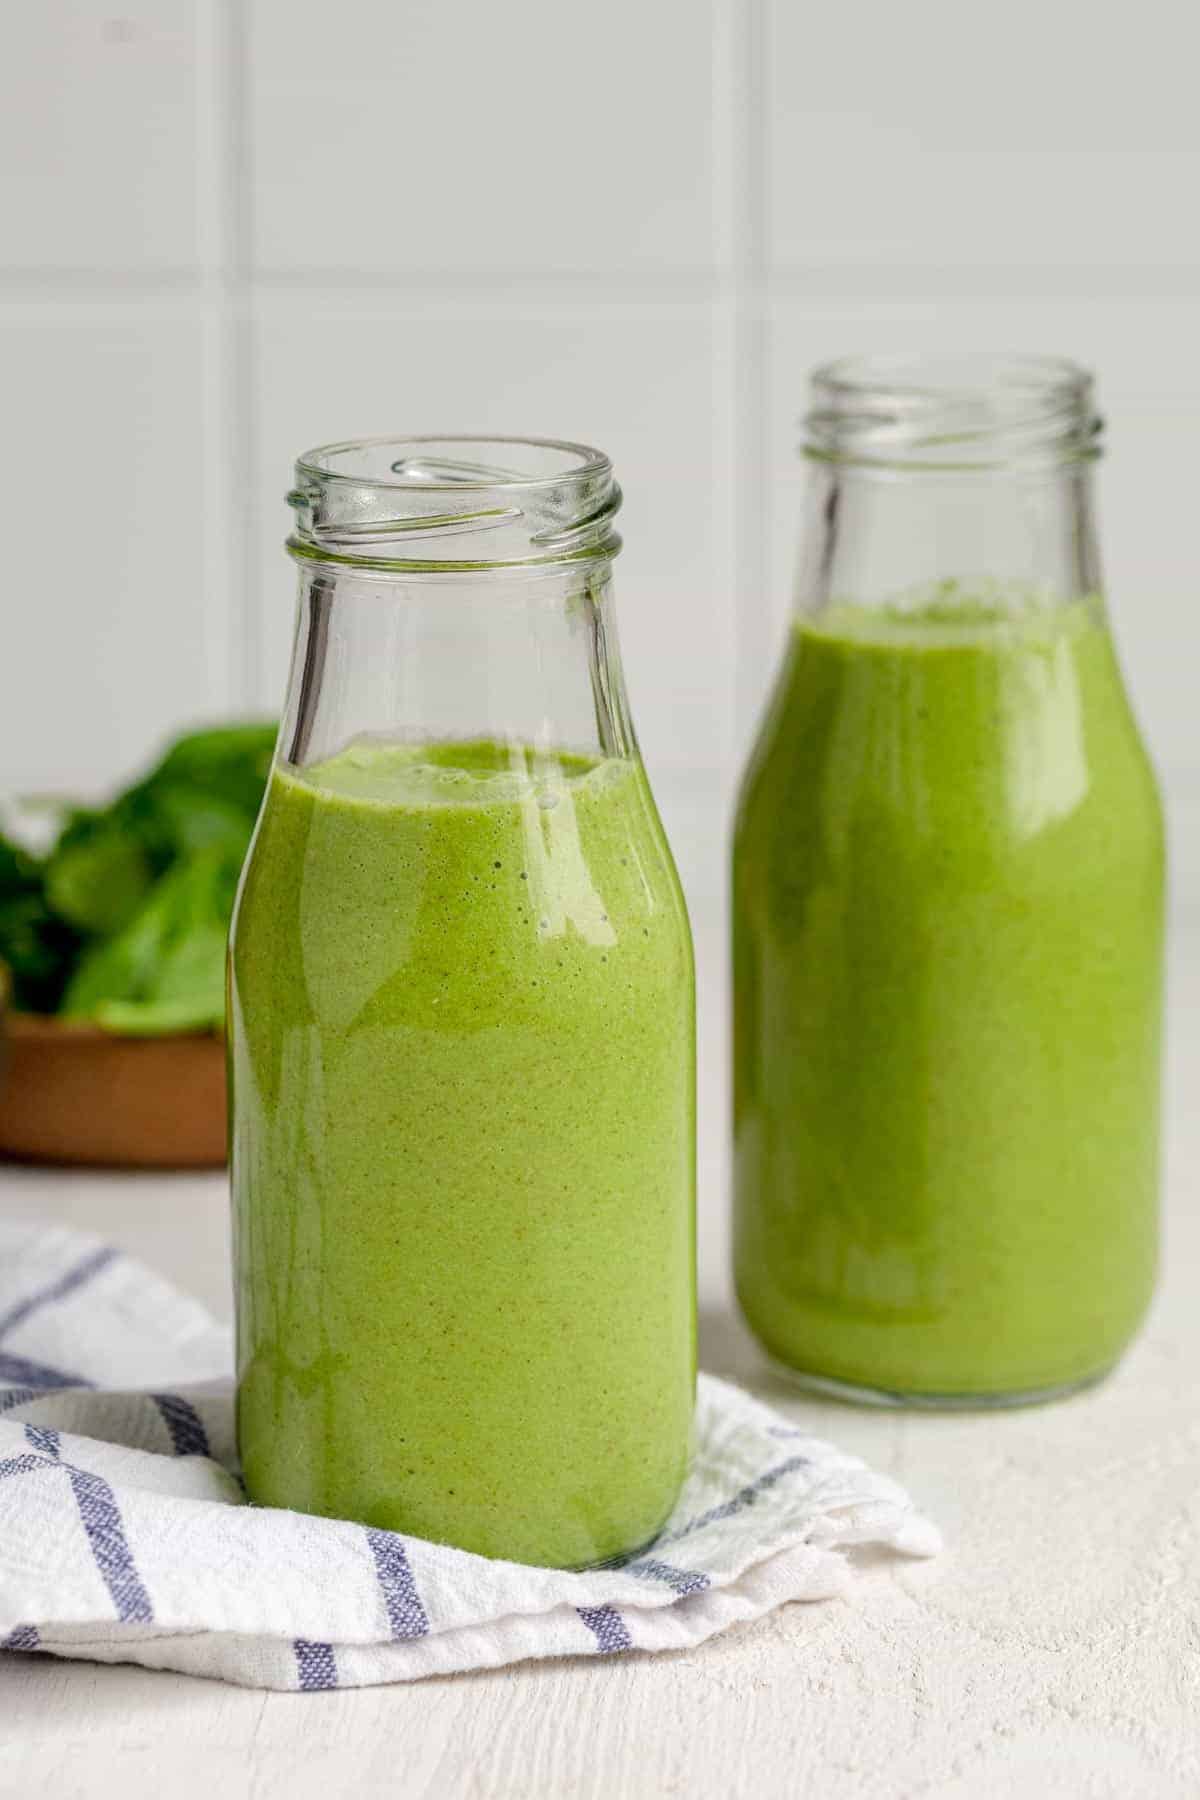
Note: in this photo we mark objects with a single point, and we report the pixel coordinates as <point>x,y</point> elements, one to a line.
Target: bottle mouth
<point>407,503</point>
<point>980,410</point>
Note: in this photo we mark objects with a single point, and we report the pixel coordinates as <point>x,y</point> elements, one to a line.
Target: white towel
<point>125,1535</point>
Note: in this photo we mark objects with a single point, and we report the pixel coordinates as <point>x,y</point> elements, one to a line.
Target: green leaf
<point>126,919</point>
<point>37,947</point>
<point>192,972</point>
<point>196,821</point>
<point>39,950</point>
<point>19,872</point>
<point>161,1018</point>
<point>172,954</point>
<point>120,967</point>
<point>98,882</point>
<point>228,762</point>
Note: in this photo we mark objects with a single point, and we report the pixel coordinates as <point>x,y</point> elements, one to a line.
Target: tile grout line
<point>520,290</point>
<point>728,124</point>
<point>213,527</point>
<point>731,113</point>
<point>228,400</point>
<point>247,672</point>
<point>749,200</point>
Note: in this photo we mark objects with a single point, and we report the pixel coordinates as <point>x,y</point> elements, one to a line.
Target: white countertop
<point>1052,1651</point>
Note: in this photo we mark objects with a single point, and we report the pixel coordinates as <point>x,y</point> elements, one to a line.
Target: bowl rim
<point>32,1028</point>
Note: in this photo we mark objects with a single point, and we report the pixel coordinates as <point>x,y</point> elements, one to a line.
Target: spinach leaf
<point>171,954</point>
<point>125,920</point>
<point>37,947</point>
<point>228,763</point>
<point>98,882</point>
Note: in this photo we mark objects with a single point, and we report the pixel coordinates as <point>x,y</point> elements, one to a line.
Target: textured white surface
<point>1052,1651</point>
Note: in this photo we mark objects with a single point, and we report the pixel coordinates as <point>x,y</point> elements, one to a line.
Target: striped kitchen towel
<point>125,1535</point>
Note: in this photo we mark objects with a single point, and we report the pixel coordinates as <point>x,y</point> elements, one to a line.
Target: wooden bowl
<point>73,1093</point>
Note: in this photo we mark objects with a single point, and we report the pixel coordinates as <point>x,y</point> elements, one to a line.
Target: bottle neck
<point>874,540</point>
<point>528,661</point>
<point>456,590</point>
<point>969,473</point>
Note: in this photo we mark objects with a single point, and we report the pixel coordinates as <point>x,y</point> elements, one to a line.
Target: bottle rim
<point>952,412</point>
<point>402,503</point>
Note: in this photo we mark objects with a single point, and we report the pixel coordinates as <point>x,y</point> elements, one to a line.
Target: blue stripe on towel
<point>106,1534</point>
<point>22,1372</point>
<point>406,1615</point>
<point>21,1465</point>
<point>188,1436</point>
<point>682,1581</point>
<point>57,1290</point>
<point>44,1439</point>
<point>316,1665</point>
<point>607,1627</point>
<point>743,1498</point>
<point>101,1520</point>
<point>17,1396</point>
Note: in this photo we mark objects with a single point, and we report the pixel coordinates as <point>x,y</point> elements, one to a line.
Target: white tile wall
<point>109,637</point>
<point>424,139</point>
<point>233,228</point>
<point>1010,136</point>
<point>98,138</point>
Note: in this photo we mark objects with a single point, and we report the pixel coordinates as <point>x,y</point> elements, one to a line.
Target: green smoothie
<point>948,900</point>
<point>463,1150</point>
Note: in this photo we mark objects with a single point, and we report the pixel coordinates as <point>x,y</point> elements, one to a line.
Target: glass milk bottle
<point>948,910</point>
<point>462,1027</point>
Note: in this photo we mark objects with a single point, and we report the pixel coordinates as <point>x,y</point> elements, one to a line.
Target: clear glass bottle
<point>948,910</point>
<point>462,1027</point>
